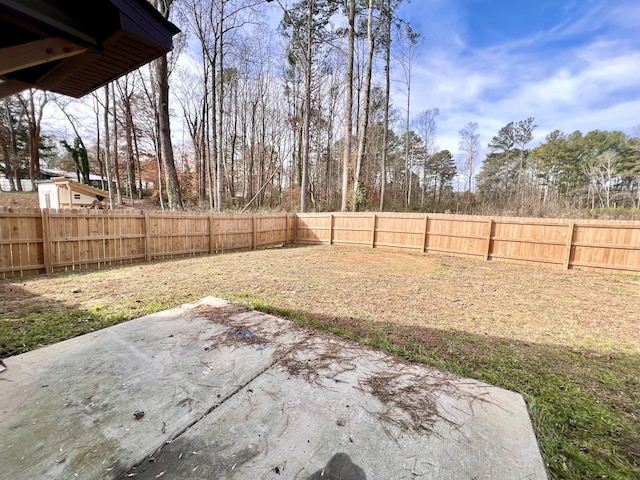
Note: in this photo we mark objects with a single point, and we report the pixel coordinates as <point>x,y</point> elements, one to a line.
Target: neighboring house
<point>60,193</point>
<point>5,186</point>
<point>47,174</point>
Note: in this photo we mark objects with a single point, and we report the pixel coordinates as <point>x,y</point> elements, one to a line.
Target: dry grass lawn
<point>489,299</point>
<point>569,341</point>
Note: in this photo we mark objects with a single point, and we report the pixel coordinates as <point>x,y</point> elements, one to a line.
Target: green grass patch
<point>38,329</point>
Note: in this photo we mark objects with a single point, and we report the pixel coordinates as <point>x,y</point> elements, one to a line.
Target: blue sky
<point>573,65</point>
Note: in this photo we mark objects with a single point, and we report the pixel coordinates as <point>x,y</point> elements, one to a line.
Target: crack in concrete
<point>189,426</point>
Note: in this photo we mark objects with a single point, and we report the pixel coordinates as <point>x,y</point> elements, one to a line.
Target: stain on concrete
<point>188,459</point>
<point>340,467</point>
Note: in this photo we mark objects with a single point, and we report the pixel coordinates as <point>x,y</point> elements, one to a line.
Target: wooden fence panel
<point>352,229</point>
<point>608,246</point>
<point>41,241</point>
<point>270,230</point>
<point>172,235</point>
<point>21,243</point>
<point>393,231</point>
<point>603,246</point>
<point>457,235</point>
<point>530,242</point>
<point>80,239</point>
<point>312,228</point>
<point>231,233</point>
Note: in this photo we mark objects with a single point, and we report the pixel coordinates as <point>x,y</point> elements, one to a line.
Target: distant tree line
<point>240,115</point>
<point>599,169</point>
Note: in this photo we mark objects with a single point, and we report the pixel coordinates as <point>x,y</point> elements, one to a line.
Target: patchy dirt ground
<point>19,199</point>
<point>527,304</point>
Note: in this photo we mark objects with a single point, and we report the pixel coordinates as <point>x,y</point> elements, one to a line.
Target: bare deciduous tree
<point>33,115</point>
<point>426,126</point>
<point>406,59</point>
<point>470,145</point>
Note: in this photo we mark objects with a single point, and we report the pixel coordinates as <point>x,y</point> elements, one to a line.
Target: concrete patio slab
<point>211,390</point>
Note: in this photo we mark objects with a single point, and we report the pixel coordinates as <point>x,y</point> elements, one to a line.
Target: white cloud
<point>581,82</point>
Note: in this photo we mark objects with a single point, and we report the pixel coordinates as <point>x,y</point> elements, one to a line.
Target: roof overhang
<point>72,47</point>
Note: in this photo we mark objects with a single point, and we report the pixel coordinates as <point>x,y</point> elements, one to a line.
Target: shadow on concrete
<point>340,467</point>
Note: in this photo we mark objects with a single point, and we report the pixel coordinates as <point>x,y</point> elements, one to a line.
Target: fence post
<point>147,236</point>
<point>373,231</point>
<point>487,250</point>
<point>295,228</point>
<point>425,234</point>
<point>254,234</point>
<point>567,250</point>
<point>211,238</point>
<point>46,244</point>
<point>331,229</point>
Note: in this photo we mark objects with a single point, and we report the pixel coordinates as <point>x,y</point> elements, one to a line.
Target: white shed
<point>60,193</point>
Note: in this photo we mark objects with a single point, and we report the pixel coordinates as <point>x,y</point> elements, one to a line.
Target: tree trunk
<point>12,165</point>
<point>362,143</point>
<point>306,143</point>
<point>406,146</point>
<point>33,132</point>
<point>98,156</point>
<point>387,101</point>
<point>213,129</point>
<point>137,162</point>
<point>263,142</point>
<point>8,171</point>
<point>107,151</point>
<point>200,136</point>
<point>346,155</point>
<point>166,148</point>
<point>131,170</point>
<point>220,156</point>
<point>233,148</point>
<point>116,167</point>
<point>34,140</point>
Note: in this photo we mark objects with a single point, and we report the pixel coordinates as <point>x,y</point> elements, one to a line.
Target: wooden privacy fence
<point>38,241</point>
<point>586,244</point>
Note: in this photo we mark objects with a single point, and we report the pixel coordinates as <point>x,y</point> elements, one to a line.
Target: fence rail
<point>37,241</point>
<point>611,246</point>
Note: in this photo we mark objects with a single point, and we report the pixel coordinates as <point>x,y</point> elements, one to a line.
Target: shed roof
<point>72,47</point>
<point>78,187</point>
